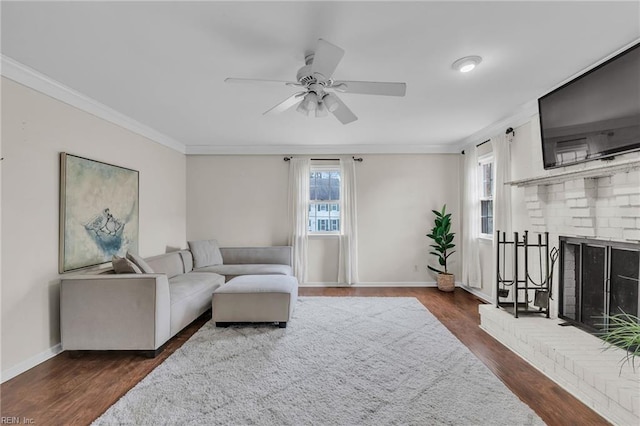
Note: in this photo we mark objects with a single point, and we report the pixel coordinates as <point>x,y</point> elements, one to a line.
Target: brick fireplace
<point>594,213</point>
<point>595,204</point>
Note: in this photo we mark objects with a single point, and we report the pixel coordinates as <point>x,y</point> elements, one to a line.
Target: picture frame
<point>99,212</point>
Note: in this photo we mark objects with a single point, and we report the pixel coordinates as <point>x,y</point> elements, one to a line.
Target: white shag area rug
<point>340,361</point>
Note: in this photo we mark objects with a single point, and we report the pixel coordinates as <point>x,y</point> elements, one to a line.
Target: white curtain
<point>501,203</point>
<point>471,272</point>
<point>299,169</point>
<point>348,255</point>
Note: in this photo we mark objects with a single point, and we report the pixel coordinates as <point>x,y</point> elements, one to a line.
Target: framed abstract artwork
<point>99,212</point>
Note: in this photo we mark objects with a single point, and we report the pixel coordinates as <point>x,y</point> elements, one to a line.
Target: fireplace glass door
<point>624,281</point>
<point>598,278</point>
<point>594,279</point>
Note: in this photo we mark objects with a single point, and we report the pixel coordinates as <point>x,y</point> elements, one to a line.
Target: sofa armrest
<point>115,312</point>
<point>278,255</point>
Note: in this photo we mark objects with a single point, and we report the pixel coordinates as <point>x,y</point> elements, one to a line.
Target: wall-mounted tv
<point>594,116</point>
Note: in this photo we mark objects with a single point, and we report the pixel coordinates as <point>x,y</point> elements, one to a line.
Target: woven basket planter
<point>446,282</point>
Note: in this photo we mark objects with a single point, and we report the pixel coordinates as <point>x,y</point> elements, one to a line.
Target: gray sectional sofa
<point>142,311</point>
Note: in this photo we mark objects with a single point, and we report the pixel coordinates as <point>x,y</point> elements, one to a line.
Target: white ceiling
<point>164,64</point>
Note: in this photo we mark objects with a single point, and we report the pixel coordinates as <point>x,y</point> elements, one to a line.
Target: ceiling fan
<point>318,96</point>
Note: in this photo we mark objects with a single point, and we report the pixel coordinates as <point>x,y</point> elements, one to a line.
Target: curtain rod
<point>359,160</point>
<point>509,130</point>
<point>480,144</point>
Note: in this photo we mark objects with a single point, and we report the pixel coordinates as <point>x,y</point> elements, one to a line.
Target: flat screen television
<point>594,116</point>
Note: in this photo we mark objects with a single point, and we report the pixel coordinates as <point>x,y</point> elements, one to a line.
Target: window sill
<point>485,239</point>
<point>325,235</point>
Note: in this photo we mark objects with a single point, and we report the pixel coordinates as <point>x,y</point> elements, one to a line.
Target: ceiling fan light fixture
<point>321,111</point>
<point>467,63</point>
<point>311,101</point>
<point>301,109</point>
<point>330,102</point>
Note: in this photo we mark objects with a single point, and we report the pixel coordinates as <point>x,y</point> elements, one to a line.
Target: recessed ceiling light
<point>466,64</point>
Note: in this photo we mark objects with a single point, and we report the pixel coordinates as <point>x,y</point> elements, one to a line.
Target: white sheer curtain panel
<point>471,272</point>
<point>299,169</point>
<point>501,203</point>
<point>348,255</point>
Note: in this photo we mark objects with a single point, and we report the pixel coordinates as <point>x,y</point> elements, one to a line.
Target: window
<point>486,195</point>
<point>324,199</point>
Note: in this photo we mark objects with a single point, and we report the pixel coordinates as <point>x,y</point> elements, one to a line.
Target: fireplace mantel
<point>594,172</point>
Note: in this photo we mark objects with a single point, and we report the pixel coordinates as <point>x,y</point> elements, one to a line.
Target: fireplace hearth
<point>597,278</point>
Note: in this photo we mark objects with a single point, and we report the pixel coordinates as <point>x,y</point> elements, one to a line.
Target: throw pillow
<point>144,266</point>
<point>122,265</point>
<point>205,253</point>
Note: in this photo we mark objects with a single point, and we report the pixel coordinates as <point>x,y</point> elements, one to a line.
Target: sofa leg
<point>153,353</point>
<point>282,324</point>
<point>223,324</point>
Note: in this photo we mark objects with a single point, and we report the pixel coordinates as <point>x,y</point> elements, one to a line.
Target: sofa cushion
<point>169,264</point>
<point>183,286</point>
<point>259,284</point>
<point>140,263</point>
<point>191,297</point>
<point>122,265</point>
<point>249,269</point>
<point>205,253</point>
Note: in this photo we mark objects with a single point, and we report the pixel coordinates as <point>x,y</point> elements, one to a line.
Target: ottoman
<point>255,298</point>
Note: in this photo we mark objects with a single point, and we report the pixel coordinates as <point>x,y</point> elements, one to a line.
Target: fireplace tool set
<point>517,291</point>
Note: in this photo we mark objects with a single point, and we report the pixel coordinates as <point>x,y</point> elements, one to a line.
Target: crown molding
<point>319,149</point>
<point>521,115</point>
<point>33,79</point>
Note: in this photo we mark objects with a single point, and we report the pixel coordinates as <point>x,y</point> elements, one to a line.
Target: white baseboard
<point>28,364</point>
<point>476,292</point>
<point>372,284</point>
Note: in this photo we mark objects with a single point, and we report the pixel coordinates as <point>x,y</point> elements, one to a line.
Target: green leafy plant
<point>623,332</point>
<point>442,239</point>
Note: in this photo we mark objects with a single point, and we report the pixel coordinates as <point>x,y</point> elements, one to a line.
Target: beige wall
<point>396,194</point>
<point>35,129</point>
<point>242,200</point>
<point>238,200</point>
<point>526,162</point>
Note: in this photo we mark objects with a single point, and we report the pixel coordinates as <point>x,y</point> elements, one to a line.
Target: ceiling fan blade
<point>261,81</point>
<point>326,59</point>
<point>343,113</point>
<point>370,87</point>
<point>286,104</point>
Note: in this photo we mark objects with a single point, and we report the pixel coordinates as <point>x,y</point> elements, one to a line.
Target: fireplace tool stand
<point>521,294</point>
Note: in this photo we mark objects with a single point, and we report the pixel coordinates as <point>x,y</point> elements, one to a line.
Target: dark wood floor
<point>75,391</point>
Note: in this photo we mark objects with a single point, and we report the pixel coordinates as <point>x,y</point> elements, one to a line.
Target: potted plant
<point>442,244</point>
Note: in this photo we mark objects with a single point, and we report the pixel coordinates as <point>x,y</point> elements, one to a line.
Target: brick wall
<point>605,207</point>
